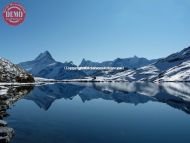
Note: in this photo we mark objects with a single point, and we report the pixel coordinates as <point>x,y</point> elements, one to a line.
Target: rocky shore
<point>8,96</point>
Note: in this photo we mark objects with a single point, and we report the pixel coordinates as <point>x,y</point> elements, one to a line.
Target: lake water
<point>101,113</point>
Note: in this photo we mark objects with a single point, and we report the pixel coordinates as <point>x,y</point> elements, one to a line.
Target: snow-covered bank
<point>88,79</point>
<point>19,84</point>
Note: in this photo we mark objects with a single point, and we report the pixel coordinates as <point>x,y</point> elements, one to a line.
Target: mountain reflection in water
<point>87,112</point>
<point>176,95</point>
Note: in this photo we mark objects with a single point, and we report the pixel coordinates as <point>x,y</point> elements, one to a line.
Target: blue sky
<point>97,30</point>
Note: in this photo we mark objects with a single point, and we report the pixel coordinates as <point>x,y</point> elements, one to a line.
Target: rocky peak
<point>44,56</point>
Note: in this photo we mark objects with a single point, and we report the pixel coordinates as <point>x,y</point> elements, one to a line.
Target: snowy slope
<point>10,72</point>
<point>177,73</point>
<point>173,59</point>
<point>146,73</point>
<point>175,67</point>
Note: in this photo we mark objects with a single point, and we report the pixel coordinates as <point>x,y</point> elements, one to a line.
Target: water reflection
<point>8,96</point>
<point>176,95</point>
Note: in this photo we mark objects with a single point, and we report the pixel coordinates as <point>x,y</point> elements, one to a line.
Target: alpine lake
<point>123,112</point>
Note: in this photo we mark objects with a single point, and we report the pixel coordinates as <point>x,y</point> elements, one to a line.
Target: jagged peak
<point>45,55</point>
<point>83,60</point>
<point>69,62</point>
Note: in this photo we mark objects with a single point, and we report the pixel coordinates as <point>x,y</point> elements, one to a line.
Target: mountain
<point>88,63</point>
<point>45,66</point>
<point>57,71</point>
<point>39,63</point>
<point>173,59</point>
<point>128,63</point>
<point>175,67</point>
<point>177,73</point>
<point>133,63</point>
<point>146,73</point>
<point>10,72</point>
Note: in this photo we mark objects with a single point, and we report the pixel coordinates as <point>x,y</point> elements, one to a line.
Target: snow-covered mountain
<point>57,71</point>
<point>45,66</point>
<point>132,63</point>
<point>39,63</point>
<point>88,63</point>
<point>173,59</point>
<point>177,73</point>
<point>175,67</point>
<point>10,72</point>
<point>128,63</point>
<point>146,73</point>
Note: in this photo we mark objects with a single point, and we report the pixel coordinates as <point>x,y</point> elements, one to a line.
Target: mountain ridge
<point>136,69</point>
<point>131,62</point>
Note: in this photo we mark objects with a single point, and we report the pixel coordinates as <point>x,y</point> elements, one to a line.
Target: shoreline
<point>80,81</point>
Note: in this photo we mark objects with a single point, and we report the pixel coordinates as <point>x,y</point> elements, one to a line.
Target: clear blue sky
<point>97,30</point>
